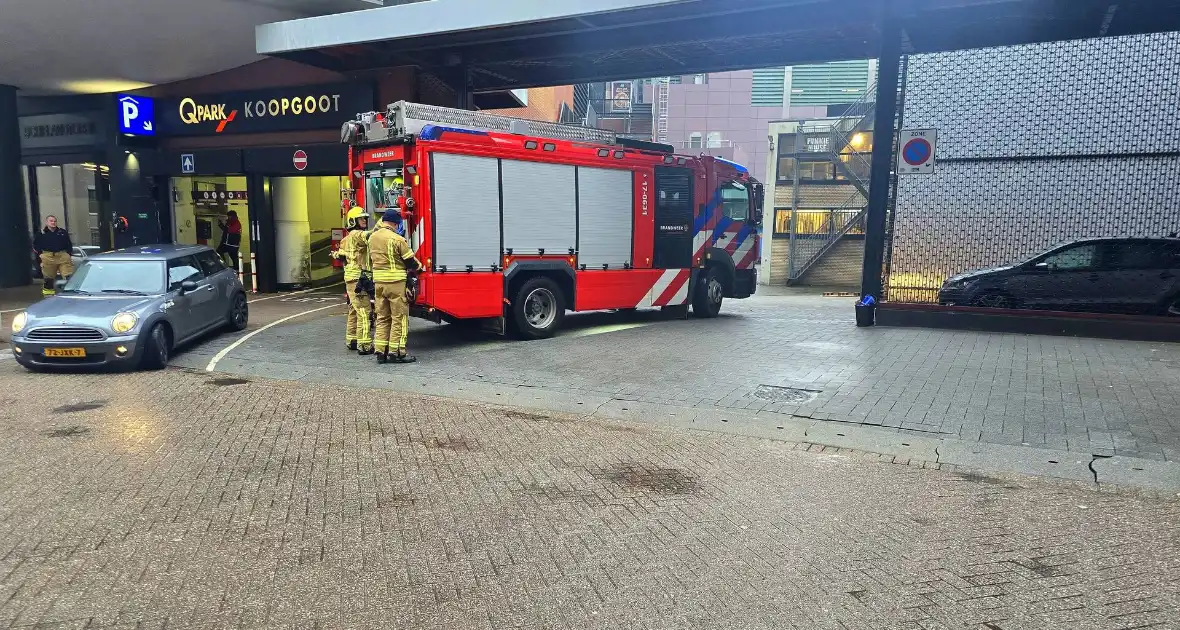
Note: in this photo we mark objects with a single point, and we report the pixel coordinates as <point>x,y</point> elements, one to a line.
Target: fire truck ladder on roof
<point>404,117</point>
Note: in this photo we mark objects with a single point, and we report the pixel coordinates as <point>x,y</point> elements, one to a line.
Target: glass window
<point>714,139</point>
<point>382,190</point>
<point>735,200</point>
<point>28,201</point>
<point>210,263</point>
<point>860,142</point>
<point>50,201</point>
<point>117,276</point>
<point>786,169</point>
<point>1076,257</point>
<point>182,269</point>
<point>816,171</point>
<point>74,194</point>
<point>1134,255</point>
<point>81,200</point>
<point>695,141</point>
<point>786,143</point>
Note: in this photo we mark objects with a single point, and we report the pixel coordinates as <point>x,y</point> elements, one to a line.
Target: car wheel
<point>239,313</point>
<point>157,348</point>
<point>706,300</point>
<point>538,309</point>
<point>994,300</point>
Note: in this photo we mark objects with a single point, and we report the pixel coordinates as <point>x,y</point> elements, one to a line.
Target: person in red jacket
<point>231,238</point>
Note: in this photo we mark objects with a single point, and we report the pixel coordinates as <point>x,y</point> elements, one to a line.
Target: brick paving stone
<point>881,376</point>
<point>165,500</point>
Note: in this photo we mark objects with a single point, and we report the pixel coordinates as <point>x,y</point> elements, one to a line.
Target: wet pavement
<point>186,499</point>
<point>774,360</point>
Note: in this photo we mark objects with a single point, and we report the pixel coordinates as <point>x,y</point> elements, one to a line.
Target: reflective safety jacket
<point>389,252</point>
<point>354,249</point>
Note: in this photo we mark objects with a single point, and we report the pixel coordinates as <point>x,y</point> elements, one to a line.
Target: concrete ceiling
<point>505,44</point>
<point>89,46</point>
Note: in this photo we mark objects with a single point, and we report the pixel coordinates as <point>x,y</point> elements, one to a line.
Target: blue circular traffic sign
<point>916,151</point>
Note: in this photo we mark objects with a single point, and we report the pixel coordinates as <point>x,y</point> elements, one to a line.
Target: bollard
<point>253,273</point>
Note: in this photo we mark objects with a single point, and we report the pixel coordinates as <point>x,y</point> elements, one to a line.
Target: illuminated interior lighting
<point>101,86</point>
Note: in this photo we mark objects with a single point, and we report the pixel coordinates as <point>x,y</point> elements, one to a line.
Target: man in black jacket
<point>54,247</point>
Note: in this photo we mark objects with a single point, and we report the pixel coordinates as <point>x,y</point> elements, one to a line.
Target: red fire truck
<point>516,222</point>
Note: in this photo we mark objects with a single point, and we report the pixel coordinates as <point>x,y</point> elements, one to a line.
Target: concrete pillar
<point>15,257</point>
<point>292,230</point>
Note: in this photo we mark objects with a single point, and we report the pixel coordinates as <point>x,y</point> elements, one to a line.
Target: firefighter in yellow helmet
<point>354,249</point>
<point>393,262</point>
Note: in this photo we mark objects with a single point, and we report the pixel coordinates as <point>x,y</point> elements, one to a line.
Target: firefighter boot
<point>352,345</point>
<point>382,358</point>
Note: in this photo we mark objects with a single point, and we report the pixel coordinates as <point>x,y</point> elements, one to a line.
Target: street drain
<point>228,381</point>
<point>788,395</point>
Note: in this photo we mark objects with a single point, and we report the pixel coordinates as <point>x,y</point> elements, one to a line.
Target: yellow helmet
<point>355,213</point>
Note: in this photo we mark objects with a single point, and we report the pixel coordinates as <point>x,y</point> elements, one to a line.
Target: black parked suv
<point>1105,275</point>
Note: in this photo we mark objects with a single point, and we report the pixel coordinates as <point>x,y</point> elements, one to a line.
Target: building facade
<point>1040,145</point>
<point>168,163</point>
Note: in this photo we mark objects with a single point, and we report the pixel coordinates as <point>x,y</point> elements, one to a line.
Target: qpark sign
<point>262,111</point>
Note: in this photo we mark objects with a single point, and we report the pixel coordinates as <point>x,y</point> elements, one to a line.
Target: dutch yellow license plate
<point>66,353</point>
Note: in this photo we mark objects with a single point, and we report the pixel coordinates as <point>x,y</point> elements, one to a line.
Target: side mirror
<point>60,283</point>
<point>759,196</point>
<point>1042,266</point>
<point>188,286</point>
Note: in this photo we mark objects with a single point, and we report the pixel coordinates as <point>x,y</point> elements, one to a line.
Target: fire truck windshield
<point>383,187</point>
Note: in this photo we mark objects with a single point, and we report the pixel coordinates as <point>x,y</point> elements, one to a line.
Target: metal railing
<point>806,248</point>
<point>816,223</point>
<point>704,144</point>
<point>835,142</point>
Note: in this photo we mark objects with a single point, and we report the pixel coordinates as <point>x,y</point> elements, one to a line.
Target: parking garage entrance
<point>287,200</point>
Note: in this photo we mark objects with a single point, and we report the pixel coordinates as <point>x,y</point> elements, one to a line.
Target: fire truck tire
<point>706,300</point>
<point>538,309</point>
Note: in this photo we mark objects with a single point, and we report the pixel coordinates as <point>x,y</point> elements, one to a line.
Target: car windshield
<point>130,277</point>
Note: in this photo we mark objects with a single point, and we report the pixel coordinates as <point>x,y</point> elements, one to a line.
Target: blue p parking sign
<point>137,115</point>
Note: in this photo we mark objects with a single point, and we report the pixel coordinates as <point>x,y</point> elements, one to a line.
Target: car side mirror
<point>60,283</point>
<point>188,286</point>
<point>1043,266</point>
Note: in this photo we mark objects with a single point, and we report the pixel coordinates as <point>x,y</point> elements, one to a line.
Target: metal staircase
<point>835,143</point>
<point>855,167</point>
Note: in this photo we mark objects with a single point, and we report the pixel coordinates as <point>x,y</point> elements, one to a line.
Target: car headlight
<point>18,322</point>
<point>124,322</point>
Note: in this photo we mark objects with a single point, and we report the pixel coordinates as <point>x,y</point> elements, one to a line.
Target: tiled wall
<point>722,105</point>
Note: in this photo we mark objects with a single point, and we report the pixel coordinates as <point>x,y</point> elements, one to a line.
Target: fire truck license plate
<point>66,353</point>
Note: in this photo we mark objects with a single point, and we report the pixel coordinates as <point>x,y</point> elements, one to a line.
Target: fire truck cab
<point>515,221</point>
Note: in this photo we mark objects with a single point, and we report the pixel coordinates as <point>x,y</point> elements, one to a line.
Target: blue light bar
<point>738,167</point>
<point>434,132</point>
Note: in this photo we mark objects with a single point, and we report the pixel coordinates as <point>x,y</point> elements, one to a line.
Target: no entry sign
<point>299,159</point>
<point>916,153</point>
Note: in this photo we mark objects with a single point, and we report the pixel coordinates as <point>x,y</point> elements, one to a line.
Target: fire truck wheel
<point>538,309</point>
<point>706,300</point>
